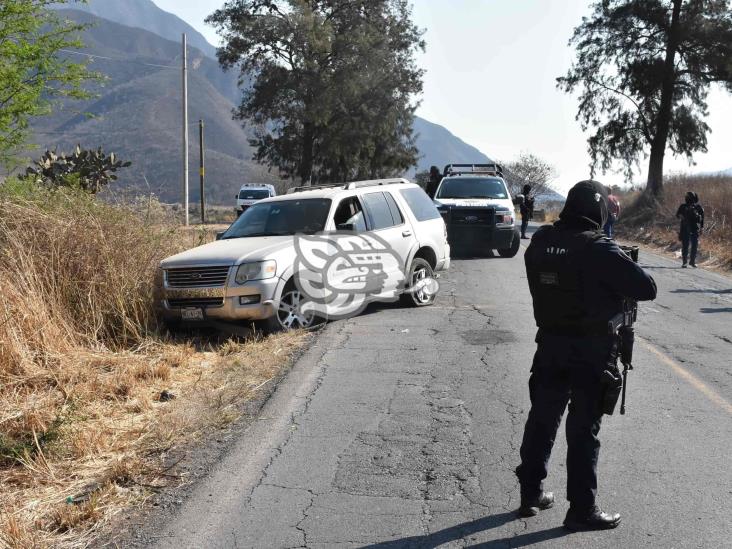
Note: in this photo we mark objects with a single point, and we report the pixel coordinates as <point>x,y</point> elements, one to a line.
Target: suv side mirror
<point>350,227</point>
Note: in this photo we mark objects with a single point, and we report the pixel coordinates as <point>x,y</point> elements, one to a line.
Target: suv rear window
<point>421,205</point>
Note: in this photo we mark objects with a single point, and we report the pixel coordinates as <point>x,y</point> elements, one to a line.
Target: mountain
<point>438,147</point>
<point>144,14</point>
<point>137,112</point>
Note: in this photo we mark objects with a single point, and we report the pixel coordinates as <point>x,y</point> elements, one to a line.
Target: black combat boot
<point>532,506</point>
<point>592,519</point>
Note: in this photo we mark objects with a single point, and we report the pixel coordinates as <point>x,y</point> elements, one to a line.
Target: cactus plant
<point>91,169</point>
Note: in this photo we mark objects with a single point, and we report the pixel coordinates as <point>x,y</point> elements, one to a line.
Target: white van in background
<point>251,193</point>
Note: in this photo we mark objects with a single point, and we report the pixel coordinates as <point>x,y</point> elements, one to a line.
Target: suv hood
<point>230,252</point>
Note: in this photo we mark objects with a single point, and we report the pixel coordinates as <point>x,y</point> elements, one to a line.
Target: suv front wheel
<point>414,294</point>
<point>289,314</point>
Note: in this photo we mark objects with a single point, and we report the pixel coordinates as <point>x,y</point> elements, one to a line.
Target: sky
<point>491,67</point>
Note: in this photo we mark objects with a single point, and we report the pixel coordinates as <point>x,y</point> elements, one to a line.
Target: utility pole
<point>202,171</point>
<point>185,128</point>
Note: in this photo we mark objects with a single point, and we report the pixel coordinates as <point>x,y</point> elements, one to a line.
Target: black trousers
<point>689,240</point>
<point>565,370</point>
<point>524,224</point>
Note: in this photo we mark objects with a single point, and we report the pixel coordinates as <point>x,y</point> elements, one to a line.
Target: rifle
<point>621,326</point>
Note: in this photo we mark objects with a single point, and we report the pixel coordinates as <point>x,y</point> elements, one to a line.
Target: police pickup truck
<point>474,201</point>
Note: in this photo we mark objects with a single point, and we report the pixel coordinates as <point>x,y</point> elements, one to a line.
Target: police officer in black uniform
<point>577,279</point>
<point>433,182</point>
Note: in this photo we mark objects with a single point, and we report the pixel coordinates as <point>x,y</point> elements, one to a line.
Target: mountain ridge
<point>146,15</point>
<point>137,114</point>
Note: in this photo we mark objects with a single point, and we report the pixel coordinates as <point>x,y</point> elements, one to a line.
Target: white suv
<point>362,234</point>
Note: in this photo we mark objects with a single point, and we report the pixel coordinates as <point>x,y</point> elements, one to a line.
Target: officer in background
<point>577,279</point>
<point>527,209</point>
<point>434,181</point>
<point>691,214</point>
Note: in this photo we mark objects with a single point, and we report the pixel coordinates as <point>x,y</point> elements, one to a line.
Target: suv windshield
<point>281,218</point>
<point>253,194</point>
<point>472,187</point>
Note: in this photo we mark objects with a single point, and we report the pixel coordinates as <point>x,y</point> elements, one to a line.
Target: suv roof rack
<point>460,169</point>
<point>304,188</point>
<point>375,183</point>
<point>349,186</point>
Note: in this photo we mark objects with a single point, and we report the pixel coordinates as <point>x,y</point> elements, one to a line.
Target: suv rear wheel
<point>414,295</point>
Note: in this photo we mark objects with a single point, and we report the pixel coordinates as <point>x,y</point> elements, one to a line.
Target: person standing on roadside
<point>613,210</point>
<point>691,215</point>
<point>578,279</point>
<point>434,182</point>
<point>527,209</point>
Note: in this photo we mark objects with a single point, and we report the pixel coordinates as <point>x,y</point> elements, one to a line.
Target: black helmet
<point>586,201</point>
<point>690,197</point>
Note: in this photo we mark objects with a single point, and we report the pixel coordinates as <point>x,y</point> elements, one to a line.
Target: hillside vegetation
<point>661,228</point>
<point>137,112</point>
<point>93,396</point>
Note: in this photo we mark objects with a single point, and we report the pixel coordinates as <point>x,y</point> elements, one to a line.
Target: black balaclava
<point>527,189</point>
<point>586,205</point>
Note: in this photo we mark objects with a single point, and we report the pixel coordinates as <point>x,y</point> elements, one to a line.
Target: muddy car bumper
<point>255,300</point>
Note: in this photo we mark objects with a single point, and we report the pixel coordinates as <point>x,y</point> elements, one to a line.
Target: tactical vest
<point>554,267</point>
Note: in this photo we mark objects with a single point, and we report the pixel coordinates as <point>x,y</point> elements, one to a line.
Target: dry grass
<point>660,227</point>
<point>83,428</point>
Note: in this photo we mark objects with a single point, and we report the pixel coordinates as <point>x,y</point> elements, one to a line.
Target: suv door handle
<point>407,233</point>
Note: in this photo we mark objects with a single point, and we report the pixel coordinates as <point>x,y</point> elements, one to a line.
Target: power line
<point>118,59</point>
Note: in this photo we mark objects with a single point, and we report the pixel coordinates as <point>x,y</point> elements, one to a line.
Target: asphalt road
<point>400,428</point>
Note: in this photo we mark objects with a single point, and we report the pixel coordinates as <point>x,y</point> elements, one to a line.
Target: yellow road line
<point>690,378</point>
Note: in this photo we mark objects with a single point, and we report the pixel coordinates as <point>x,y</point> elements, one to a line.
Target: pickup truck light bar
<point>461,169</point>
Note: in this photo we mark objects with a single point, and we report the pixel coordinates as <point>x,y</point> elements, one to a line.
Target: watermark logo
<point>340,273</point>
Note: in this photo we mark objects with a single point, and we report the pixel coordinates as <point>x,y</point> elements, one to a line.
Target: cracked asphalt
<point>401,428</point>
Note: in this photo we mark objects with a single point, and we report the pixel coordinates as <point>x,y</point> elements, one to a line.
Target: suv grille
<point>198,277</point>
<point>472,216</point>
<point>196,302</point>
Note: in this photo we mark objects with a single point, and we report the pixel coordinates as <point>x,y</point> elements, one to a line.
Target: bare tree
<point>529,169</point>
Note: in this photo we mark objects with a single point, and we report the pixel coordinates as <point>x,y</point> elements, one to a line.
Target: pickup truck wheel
<point>515,245</point>
<point>414,294</point>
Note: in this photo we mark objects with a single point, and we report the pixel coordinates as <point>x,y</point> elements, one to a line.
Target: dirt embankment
<point>93,394</point>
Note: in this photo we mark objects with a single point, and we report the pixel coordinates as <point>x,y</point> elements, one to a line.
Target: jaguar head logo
<point>340,273</point>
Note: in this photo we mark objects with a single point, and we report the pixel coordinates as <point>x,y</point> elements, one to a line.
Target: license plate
<point>192,314</point>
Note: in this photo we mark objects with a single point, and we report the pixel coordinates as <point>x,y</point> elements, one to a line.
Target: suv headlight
<point>260,270</point>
